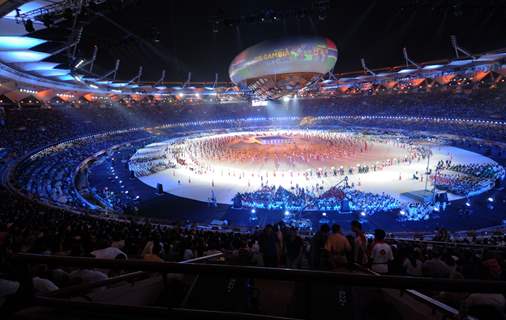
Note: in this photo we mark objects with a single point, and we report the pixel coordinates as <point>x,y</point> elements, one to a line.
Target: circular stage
<point>218,166</point>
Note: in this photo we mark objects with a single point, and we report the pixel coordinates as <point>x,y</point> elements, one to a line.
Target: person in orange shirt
<point>152,251</point>
<point>337,247</point>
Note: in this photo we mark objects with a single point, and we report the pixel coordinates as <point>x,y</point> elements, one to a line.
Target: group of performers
<point>300,153</point>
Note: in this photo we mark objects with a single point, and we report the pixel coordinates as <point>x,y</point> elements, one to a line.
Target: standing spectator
<point>318,253</point>
<point>294,249</point>
<point>381,253</point>
<point>435,267</point>
<point>152,251</point>
<point>268,247</point>
<point>337,246</point>
<point>360,243</point>
<point>412,265</point>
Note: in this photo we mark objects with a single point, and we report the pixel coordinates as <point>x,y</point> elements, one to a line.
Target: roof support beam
<point>162,78</point>
<point>408,60</point>
<point>364,66</point>
<point>112,72</point>
<point>459,49</point>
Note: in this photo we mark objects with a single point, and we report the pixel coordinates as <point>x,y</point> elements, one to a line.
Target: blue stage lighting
<point>490,199</point>
<point>19,43</point>
<point>253,211</point>
<point>287,213</point>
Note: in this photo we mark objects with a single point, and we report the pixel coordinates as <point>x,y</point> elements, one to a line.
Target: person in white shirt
<point>42,285</point>
<point>381,253</point>
<point>108,253</point>
<point>412,265</point>
<point>88,275</point>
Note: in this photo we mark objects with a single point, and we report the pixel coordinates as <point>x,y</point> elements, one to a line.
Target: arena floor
<point>254,163</point>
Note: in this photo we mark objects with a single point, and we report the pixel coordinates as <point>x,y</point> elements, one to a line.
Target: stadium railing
<point>309,278</point>
<point>448,244</point>
<point>437,306</point>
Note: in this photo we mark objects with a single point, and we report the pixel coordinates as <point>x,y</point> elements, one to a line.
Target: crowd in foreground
<point>32,228</point>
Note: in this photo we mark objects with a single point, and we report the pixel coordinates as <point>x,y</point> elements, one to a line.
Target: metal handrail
<point>435,304</point>
<point>446,243</point>
<point>342,278</point>
<point>176,313</point>
<point>66,292</point>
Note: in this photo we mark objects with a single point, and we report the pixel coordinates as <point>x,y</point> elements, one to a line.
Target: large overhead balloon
<point>276,68</point>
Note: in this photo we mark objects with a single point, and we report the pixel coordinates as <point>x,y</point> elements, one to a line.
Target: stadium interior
<point>252,159</point>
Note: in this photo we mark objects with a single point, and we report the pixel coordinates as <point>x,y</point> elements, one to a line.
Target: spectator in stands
<point>435,267</point>
<point>268,246</point>
<point>360,243</point>
<point>41,282</point>
<point>488,306</point>
<point>85,276</point>
<point>412,264</point>
<point>294,249</point>
<point>152,251</point>
<point>111,252</point>
<point>337,247</point>
<point>381,253</point>
<point>318,254</point>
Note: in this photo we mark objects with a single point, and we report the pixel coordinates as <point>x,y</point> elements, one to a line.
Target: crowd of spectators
<point>28,128</point>
<point>467,179</point>
<point>27,226</point>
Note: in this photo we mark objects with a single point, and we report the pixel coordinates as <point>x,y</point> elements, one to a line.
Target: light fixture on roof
<point>29,26</point>
<point>79,64</point>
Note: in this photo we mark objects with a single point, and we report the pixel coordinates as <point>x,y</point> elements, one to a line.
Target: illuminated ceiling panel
<point>66,77</point>
<point>29,6</point>
<point>406,71</point>
<point>433,66</point>
<point>53,72</point>
<point>19,43</point>
<point>22,56</point>
<point>118,84</point>
<point>33,66</point>
<point>460,62</point>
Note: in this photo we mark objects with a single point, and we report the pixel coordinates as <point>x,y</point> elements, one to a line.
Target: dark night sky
<point>375,30</point>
